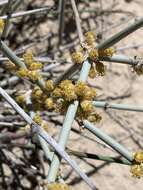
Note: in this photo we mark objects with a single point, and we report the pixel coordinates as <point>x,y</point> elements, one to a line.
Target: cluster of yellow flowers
<point>67,92</point>
<point>54,185</point>
<point>1,25</point>
<point>58,186</point>
<point>60,97</point>
<point>137,168</point>
<point>38,119</point>
<point>32,70</point>
<point>41,100</point>
<point>20,99</point>
<point>33,67</point>
<point>89,50</point>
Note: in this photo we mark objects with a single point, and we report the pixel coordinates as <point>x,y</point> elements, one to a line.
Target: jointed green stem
<point>98,157</point>
<point>122,34</point>
<point>8,53</point>
<point>108,140</point>
<point>108,105</point>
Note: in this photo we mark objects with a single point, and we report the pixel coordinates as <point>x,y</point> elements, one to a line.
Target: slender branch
<point>108,140</point>
<point>108,105</point>
<point>8,52</point>
<point>98,157</point>
<point>78,22</point>
<point>120,59</point>
<point>29,12</point>
<point>61,19</point>
<point>122,34</point>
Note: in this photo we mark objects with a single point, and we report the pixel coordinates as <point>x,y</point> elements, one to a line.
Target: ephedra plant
<point>64,95</point>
